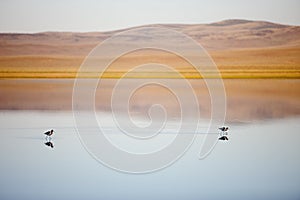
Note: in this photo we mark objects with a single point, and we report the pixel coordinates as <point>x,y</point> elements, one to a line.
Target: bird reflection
<point>50,144</point>
<point>223,138</point>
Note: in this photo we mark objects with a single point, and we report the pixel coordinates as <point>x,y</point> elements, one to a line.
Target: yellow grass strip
<point>232,74</point>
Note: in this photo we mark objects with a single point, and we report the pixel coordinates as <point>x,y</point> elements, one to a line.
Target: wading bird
<point>49,133</point>
<point>224,128</point>
<point>223,133</point>
<point>48,138</point>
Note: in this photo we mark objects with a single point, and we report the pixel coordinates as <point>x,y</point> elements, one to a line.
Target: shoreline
<point>291,74</point>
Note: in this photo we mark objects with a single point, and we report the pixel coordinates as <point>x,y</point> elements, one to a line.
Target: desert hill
<point>224,35</point>
<point>240,48</point>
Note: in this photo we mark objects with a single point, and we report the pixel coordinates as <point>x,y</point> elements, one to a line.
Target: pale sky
<point>103,15</point>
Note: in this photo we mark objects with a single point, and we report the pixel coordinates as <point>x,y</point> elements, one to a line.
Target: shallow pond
<point>260,161</point>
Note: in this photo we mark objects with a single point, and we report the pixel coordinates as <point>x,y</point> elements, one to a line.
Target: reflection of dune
<point>246,98</point>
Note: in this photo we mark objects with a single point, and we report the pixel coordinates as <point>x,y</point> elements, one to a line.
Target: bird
<point>224,128</point>
<point>223,134</point>
<point>49,133</point>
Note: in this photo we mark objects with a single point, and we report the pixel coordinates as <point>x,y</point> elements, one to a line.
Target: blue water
<point>260,161</point>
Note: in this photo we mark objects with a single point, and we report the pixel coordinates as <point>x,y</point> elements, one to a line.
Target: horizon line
<point>144,25</point>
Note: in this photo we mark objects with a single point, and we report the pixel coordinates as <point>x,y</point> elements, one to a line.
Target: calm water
<point>260,161</point>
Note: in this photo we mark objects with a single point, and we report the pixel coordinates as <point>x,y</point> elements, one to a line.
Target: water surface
<point>260,161</point>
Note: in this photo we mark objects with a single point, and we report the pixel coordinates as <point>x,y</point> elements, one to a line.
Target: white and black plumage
<point>224,128</point>
<point>49,133</point>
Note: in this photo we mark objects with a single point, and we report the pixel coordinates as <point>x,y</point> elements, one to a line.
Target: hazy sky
<point>102,15</point>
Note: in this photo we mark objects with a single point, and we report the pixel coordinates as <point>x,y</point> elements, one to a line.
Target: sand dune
<point>240,48</point>
<point>224,35</point>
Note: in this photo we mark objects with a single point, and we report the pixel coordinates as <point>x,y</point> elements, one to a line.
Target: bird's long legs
<point>48,138</point>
